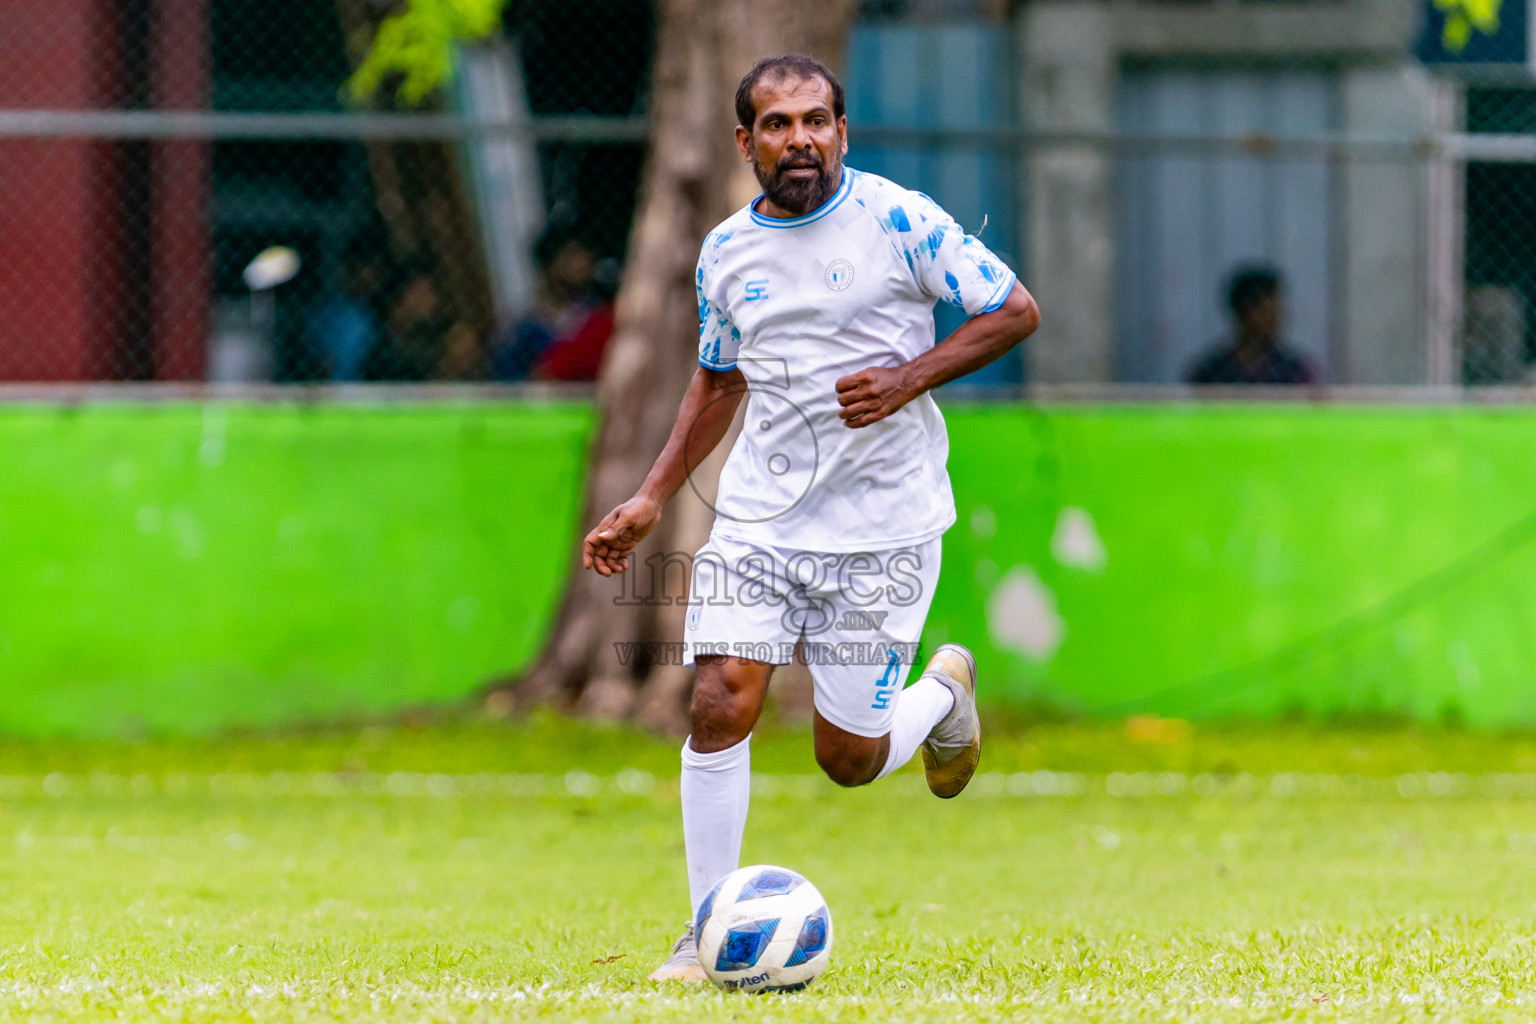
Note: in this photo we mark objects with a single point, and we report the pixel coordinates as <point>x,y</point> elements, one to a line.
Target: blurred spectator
<point>343,328</point>
<point>579,354</point>
<point>416,330</point>
<point>563,337</point>
<point>463,355</point>
<point>1255,295</point>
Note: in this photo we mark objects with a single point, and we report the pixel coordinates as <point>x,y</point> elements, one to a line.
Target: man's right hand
<point>607,548</point>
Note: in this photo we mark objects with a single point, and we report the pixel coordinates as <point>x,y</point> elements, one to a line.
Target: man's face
<point>572,270</point>
<point>796,145</point>
<point>1264,318</point>
<point>418,300</point>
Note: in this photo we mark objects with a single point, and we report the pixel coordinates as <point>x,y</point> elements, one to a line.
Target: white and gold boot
<point>953,748</point>
<point>683,962</point>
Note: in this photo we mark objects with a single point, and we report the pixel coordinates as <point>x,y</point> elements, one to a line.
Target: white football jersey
<point>797,304</point>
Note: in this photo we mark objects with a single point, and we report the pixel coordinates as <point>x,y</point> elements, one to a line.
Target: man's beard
<point>799,196</point>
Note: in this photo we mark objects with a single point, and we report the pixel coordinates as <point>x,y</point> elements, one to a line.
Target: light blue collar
<point>815,215</point>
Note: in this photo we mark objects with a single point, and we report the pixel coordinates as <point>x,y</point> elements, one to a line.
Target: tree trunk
<point>420,197</point>
<point>693,180</point>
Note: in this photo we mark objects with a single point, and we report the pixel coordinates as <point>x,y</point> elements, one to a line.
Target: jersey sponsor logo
<point>839,275</point>
<point>757,289</point>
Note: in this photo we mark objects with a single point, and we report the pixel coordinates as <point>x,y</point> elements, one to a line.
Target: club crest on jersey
<point>839,275</point>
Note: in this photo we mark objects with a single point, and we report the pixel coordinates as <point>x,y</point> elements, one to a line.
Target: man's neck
<point>768,208</point>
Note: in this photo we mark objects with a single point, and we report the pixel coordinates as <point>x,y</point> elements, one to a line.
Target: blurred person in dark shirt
<point>343,327</point>
<point>1256,355</point>
<point>416,329</point>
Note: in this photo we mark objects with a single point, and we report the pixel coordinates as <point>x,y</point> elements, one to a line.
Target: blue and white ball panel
<point>764,928</point>
<point>770,881</point>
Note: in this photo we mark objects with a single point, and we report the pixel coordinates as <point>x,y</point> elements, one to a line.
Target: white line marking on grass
<point>637,782</point>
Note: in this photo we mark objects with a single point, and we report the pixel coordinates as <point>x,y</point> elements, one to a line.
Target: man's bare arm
<point>703,417</point>
<point>871,395</point>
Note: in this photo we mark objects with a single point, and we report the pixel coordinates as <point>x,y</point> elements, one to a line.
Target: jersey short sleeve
<point>719,339</point>
<point>946,263</point>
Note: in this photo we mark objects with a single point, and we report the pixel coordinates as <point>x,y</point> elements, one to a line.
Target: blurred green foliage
<point>416,45</point>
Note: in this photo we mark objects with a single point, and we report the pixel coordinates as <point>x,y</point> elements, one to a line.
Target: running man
<point>816,303</point>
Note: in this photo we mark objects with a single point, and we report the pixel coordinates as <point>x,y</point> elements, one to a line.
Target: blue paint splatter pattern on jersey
<point>719,340</point>
<point>945,262</point>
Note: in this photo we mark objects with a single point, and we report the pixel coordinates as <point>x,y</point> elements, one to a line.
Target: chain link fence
<point>1500,236</point>
<point>190,195</point>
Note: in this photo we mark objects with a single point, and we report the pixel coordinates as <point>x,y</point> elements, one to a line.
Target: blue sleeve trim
<point>714,366</point>
<point>1001,295</point>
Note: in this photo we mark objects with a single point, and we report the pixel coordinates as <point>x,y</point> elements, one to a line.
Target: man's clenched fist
<point>871,395</point>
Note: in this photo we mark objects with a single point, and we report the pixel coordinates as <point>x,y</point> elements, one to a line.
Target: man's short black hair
<point>790,65</point>
<point>1250,285</point>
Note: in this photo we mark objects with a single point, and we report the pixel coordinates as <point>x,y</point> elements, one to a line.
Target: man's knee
<point>853,761</point>
<point>727,699</point>
<point>843,771</point>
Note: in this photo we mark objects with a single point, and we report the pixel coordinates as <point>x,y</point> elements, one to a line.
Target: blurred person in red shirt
<point>564,335</point>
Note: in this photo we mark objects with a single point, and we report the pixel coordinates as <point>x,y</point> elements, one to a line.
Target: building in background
<point>931,105</point>
<point>1125,155</point>
<point>1129,242</point>
<point>124,244</point>
<point>431,205</point>
<point>1493,61</point>
<point>103,241</point>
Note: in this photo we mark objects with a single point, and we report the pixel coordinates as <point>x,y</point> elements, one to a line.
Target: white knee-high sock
<point>716,789</point>
<point>918,710</point>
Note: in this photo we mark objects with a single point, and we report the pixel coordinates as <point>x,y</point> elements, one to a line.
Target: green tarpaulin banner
<point>186,568</point>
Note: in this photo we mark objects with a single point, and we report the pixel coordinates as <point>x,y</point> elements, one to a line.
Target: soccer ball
<point>763,929</point>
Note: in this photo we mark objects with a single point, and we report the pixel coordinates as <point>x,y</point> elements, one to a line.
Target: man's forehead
<point>791,93</point>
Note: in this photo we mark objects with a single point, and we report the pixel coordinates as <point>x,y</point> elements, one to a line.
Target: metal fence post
<point>1445,239</point>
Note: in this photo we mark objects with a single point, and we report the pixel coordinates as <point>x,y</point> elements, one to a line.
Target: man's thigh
<point>861,648</point>
<point>738,607</point>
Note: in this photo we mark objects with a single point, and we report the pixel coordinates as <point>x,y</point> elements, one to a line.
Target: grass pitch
<point>489,873</point>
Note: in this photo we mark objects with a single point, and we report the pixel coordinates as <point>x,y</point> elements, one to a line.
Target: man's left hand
<point>871,395</point>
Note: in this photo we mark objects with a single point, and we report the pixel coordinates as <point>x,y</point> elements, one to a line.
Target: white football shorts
<point>859,616</point>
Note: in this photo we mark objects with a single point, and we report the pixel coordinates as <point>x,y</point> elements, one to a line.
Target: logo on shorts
<point>693,616</point>
<point>885,689</point>
<point>839,275</point>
